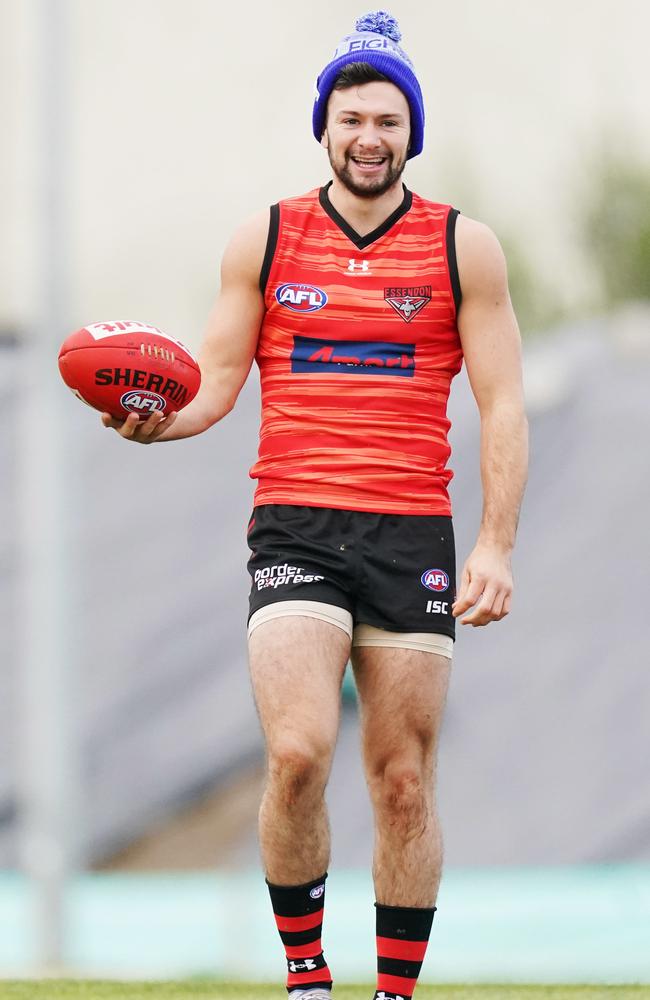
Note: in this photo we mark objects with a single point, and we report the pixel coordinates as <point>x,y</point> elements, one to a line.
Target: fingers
<point>461,604</point>
<point>490,607</point>
<point>498,606</point>
<point>154,426</point>
<point>469,593</point>
<point>124,428</point>
<point>483,612</point>
<point>489,601</point>
<point>109,421</point>
<point>142,431</point>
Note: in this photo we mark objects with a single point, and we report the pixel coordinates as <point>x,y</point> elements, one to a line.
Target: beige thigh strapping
<point>428,642</point>
<point>306,609</point>
<point>361,635</point>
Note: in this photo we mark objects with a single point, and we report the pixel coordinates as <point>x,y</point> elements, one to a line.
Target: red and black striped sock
<point>402,938</point>
<point>298,913</point>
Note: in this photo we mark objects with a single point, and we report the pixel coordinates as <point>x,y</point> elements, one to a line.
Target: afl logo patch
<point>435,579</point>
<point>301,298</point>
<point>317,892</point>
<point>142,401</point>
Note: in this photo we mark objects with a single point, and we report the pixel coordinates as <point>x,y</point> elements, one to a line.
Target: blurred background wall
<point>178,120</point>
<point>186,117</point>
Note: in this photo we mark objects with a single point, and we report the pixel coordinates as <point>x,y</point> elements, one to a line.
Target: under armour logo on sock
<point>305,966</point>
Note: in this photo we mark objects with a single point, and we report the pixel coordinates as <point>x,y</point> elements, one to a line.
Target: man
<point>359,302</point>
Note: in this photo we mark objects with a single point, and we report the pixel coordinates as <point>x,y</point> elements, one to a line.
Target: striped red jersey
<point>356,353</point>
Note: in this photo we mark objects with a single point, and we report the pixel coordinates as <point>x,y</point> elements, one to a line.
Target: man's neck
<point>365,214</point>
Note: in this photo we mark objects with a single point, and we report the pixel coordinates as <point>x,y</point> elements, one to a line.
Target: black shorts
<point>392,571</point>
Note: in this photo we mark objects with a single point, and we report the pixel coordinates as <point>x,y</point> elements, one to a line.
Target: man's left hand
<point>485,586</point>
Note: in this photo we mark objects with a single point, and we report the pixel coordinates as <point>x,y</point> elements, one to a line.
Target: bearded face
<point>366,137</point>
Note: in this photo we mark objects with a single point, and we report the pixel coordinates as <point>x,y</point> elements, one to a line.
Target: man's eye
<point>390,124</point>
<point>350,121</point>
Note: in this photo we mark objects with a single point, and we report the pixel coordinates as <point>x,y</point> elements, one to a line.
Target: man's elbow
<point>218,394</point>
<point>509,406</point>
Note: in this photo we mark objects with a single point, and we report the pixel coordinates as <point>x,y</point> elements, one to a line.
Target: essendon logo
<point>352,357</point>
<point>301,298</point>
<point>407,302</point>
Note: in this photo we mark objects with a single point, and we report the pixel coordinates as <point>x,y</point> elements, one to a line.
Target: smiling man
<point>359,301</point>
<point>366,106</point>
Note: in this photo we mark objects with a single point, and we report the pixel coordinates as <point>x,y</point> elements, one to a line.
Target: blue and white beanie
<point>375,42</point>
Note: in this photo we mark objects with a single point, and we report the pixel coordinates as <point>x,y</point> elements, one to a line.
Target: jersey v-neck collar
<point>361,242</point>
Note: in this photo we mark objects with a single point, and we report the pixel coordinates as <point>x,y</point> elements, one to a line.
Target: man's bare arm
<point>492,349</point>
<point>228,347</point>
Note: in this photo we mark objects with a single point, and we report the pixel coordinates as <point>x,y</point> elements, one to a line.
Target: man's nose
<point>369,136</point>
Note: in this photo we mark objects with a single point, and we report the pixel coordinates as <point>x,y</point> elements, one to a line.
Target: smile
<point>368,163</point>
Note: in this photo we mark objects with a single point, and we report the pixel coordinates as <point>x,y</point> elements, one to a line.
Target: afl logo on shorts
<point>301,298</point>
<point>435,579</point>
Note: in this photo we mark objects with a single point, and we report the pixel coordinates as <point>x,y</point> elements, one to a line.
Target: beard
<point>373,187</point>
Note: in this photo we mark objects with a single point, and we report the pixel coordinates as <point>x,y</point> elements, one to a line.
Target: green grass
<point>59,989</point>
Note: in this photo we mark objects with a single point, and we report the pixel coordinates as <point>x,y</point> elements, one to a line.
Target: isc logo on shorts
<point>301,298</point>
<point>435,579</point>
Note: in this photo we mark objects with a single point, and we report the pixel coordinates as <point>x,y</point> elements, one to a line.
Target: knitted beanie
<point>375,42</point>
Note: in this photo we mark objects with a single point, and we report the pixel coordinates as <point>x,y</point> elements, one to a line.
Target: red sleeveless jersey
<point>356,353</point>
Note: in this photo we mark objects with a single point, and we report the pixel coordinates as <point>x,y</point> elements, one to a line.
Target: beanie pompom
<point>381,22</point>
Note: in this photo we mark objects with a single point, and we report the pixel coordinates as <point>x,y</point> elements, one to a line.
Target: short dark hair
<point>357,73</point>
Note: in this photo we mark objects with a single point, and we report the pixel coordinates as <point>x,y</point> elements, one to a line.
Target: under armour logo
<point>358,265</point>
<point>384,996</point>
<point>307,966</point>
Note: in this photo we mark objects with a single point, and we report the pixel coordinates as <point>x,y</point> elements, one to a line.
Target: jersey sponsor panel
<point>352,357</point>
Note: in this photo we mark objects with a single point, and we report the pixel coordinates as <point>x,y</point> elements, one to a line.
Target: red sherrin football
<point>123,367</point>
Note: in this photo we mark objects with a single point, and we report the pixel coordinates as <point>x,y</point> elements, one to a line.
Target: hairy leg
<point>402,696</point>
<point>296,669</point>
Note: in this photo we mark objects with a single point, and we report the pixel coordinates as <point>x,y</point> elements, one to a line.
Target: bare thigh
<point>296,667</point>
<point>402,695</point>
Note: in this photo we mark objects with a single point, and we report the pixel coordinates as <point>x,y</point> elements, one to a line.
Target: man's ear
<point>324,140</point>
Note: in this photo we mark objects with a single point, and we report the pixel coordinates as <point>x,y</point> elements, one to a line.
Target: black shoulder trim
<point>361,242</point>
<point>271,244</point>
<point>451,257</point>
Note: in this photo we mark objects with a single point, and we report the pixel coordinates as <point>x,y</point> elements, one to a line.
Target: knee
<point>402,797</point>
<point>296,770</point>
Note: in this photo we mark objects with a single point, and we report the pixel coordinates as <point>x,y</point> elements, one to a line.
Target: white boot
<point>318,993</point>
